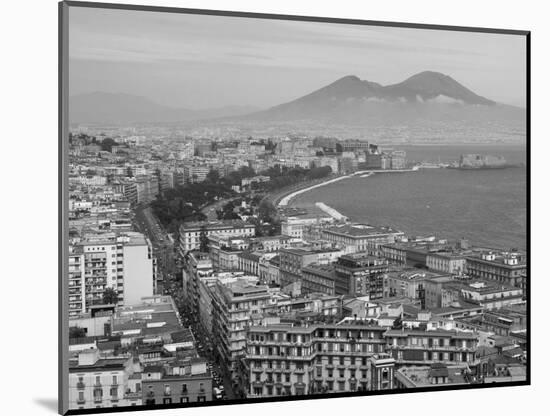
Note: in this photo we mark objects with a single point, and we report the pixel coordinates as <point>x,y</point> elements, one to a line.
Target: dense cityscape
<point>193,278</point>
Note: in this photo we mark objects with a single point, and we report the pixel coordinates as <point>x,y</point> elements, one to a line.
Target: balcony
<point>98,399</point>
<point>80,401</point>
<point>80,386</point>
<point>299,371</point>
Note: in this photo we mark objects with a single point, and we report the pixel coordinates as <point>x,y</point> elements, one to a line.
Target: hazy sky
<point>211,61</point>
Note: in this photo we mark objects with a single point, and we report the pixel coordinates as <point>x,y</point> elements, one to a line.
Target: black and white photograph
<point>271,208</point>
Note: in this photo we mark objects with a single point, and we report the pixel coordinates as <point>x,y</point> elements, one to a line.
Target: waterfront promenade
<point>285,200</point>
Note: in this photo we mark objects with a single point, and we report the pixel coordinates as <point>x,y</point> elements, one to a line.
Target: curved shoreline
<point>286,199</point>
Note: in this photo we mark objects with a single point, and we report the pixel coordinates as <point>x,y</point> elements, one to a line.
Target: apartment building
<point>360,274</point>
<point>446,262</point>
<point>360,237</point>
<point>96,382</point>
<point>233,306</point>
<point>190,232</point>
<point>505,267</point>
<point>416,347</point>
<point>120,261</point>
<point>198,266</point>
<point>180,381</point>
<point>318,278</point>
<point>298,360</point>
<point>292,260</point>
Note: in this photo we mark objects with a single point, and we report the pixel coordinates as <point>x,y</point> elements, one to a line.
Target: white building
<point>190,232</point>
<point>122,262</point>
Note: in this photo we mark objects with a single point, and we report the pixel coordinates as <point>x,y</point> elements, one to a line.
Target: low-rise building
<point>504,267</point>
<point>180,381</point>
<point>417,347</point>
<point>360,237</point>
<point>190,232</point>
<point>98,382</point>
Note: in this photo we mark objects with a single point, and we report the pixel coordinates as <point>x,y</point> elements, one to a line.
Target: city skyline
<point>368,233</point>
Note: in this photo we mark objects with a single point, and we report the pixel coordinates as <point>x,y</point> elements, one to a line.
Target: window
<point>184,399</point>
<point>167,400</point>
<point>201,398</point>
<point>115,380</point>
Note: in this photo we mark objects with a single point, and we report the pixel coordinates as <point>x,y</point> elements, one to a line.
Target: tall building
<point>359,274</point>
<point>233,306</point>
<point>122,262</point>
<point>198,266</point>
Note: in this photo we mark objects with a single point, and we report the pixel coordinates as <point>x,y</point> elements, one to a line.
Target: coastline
<point>285,198</point>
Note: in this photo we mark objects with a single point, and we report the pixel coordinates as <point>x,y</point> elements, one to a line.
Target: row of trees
<point>282,177</point>
<point>184,203</point>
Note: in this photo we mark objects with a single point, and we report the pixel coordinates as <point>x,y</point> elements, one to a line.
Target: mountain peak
<point>428,85</point>
<point>349,78</point>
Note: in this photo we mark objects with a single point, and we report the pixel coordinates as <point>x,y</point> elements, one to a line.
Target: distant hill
<point>101,107</point>
<point>428,95</point>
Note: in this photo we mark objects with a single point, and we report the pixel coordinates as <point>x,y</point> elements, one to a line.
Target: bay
<point>487,207</point>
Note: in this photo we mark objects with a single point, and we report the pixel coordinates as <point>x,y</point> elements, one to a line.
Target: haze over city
<point>199,62</point>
